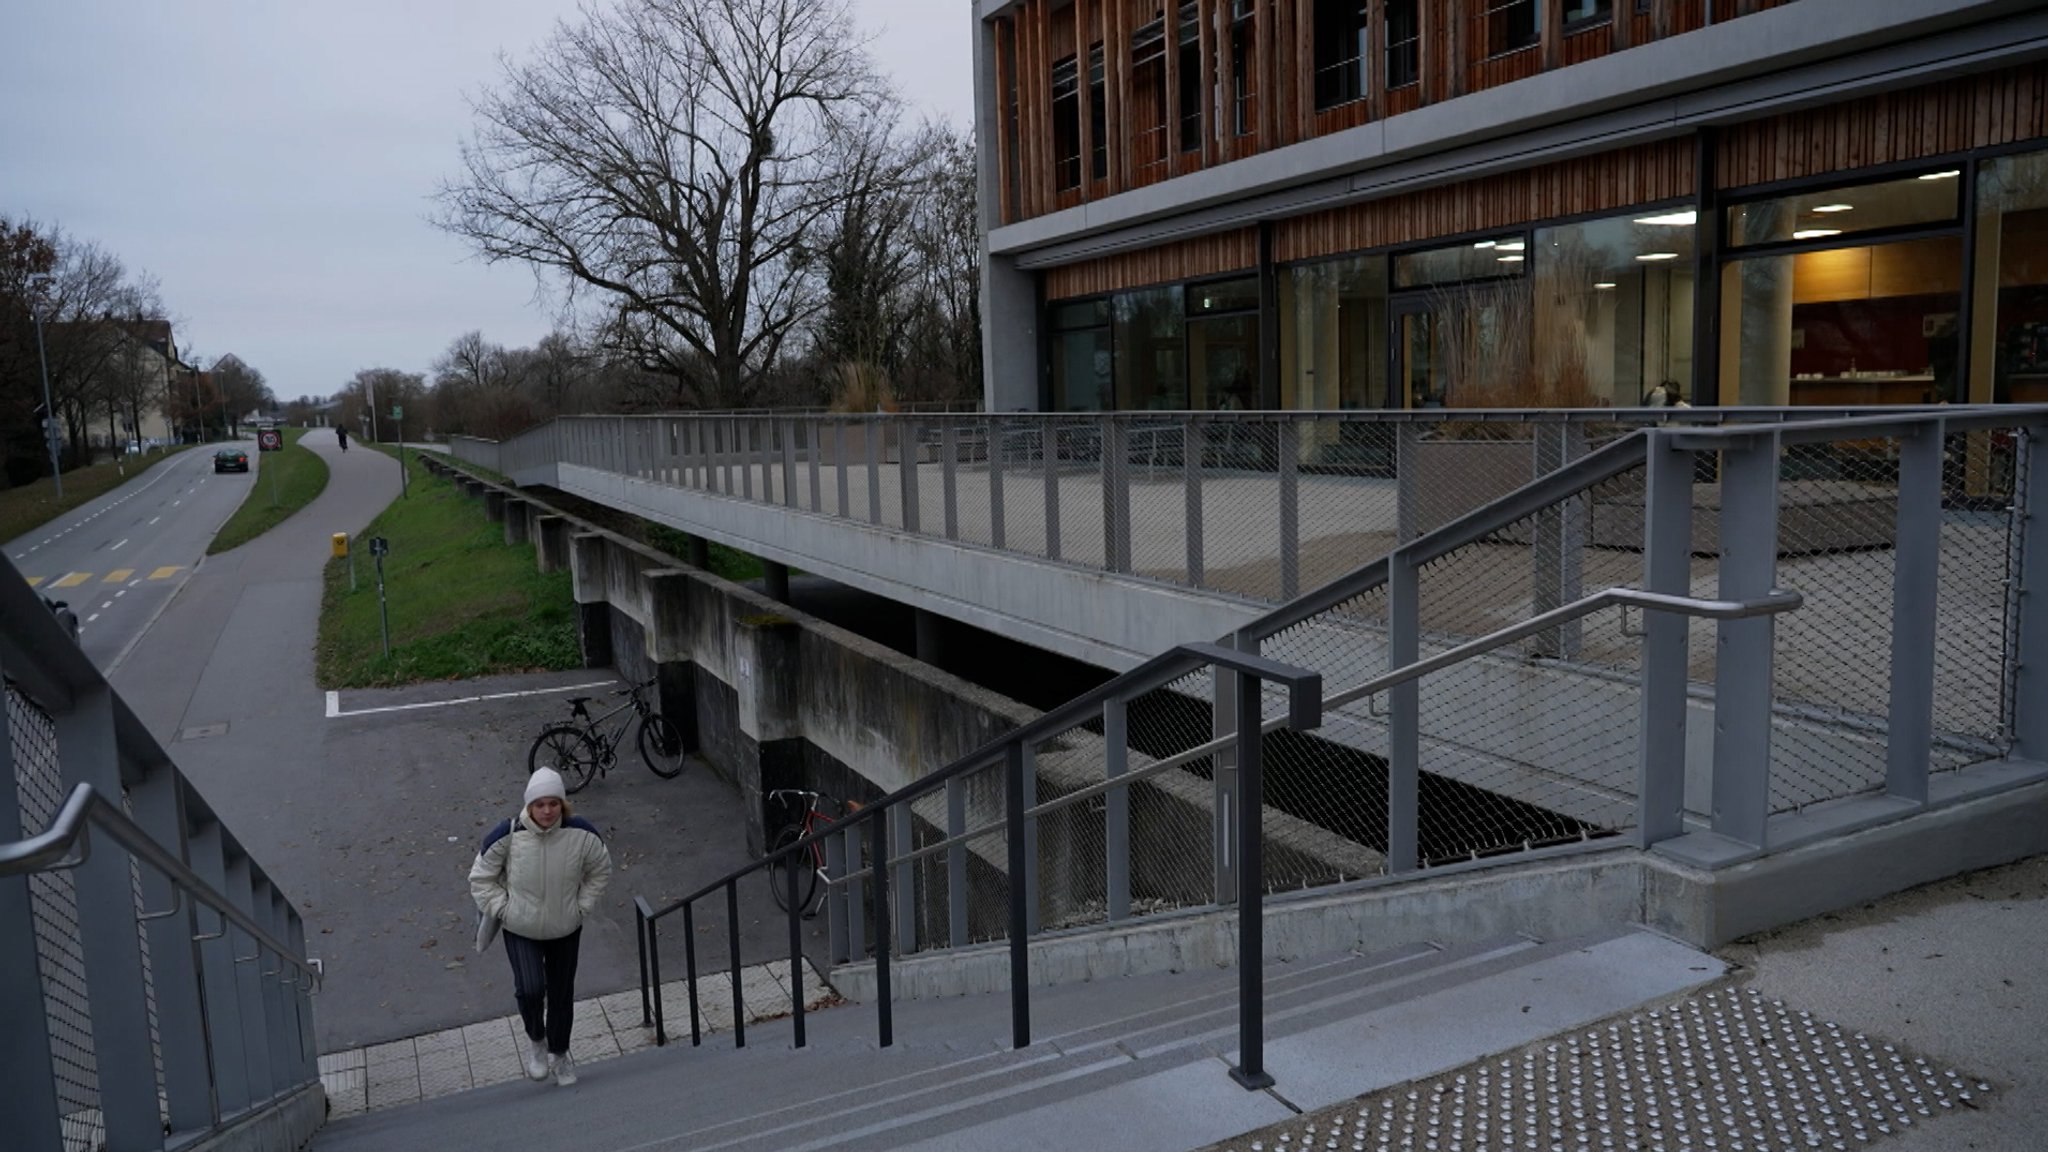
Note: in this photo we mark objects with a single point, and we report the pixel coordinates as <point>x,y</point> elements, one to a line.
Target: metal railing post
<point>1049,453</point>
<point>1287,447</point>
<point>732,944</point>
<point>1223,784</point>
<point>1667,567</point>
<point>907,450</point>
<point>996,505</point>
<point>2030,633</point>
<point>1559,539</point>
<point>949,451</point>
<point>1116,809</point>
<point>108,936</point>
<point>1021,895</point>
<point>1744,669</point>
<point>250,1008</point>
<point>654,974</point>
<point>1251,927</point>
<point>1029,757</point>
<point>842,435</point>
<point>647,997</point>
<point>1192,447</point>
<point>786,430</point>
<point>814,458</point>
<point>28,1108</point>
<point>872,425</point>
<point>885,1011</point>
<point>218,977</point>
<point>835,899</point>
<point>956,863</point>
<point>1407,481</point>
<point>1404,717</point>
<point>748,453</point>
<point>856,897</point>
<point>1916,589</point>
<point>1116,495</point>
<point>794,908</point>
<point>904,882</point>
<point>157,802</point>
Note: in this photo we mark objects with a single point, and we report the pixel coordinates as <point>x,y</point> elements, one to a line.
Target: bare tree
<point>672,156</point>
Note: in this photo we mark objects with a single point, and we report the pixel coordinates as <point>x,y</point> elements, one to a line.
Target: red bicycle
<point>808,864</point>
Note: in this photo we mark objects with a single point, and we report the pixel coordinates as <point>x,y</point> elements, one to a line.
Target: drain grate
<point>1730,1071</point>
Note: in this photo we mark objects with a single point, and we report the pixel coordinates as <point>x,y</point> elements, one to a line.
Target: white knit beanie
<point>545,782</point>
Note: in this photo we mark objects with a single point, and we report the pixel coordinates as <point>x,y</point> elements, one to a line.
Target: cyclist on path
<point>539,875</point>
<point>341,434</point>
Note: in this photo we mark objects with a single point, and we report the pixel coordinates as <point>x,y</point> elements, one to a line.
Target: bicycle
<point>580,750</point>
<point>812,820</point>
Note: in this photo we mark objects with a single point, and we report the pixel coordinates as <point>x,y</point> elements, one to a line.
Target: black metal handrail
<point>1304,695</point>
<point>67,843</point>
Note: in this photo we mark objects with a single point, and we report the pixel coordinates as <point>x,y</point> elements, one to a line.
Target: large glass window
<point>1190,25</point>
<point>1929,198</point>
<point>1506,26</point>
<point>1582,13</point>
<point>1151,350</point>
<point>1613,311</point>
<point>2009,349</point>
<point>1340,52</point>
<point>1404,43</point>
<point>1244,72</point>
<point>1333,315</point>
<point>1481,259</point>
<point>1080,356</point>
<point>1098,116</point>
<point>1223,344</point>
<point>1863,325</point>
<point>1066,123</point>
<point>1148,96</point>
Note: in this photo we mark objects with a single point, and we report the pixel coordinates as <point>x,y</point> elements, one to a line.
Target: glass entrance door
<point>1418,368</point>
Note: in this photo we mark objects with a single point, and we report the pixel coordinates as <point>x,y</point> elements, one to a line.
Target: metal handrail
<point>68,843</point>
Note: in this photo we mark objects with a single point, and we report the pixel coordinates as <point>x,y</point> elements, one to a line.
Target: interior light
<point>1686,218</point>
<point>1511,259</point>
<point>1815,233</point>
<point>1948,175</point>
<point>1604,285</point>
<point>1512,245</point>
<point>1836,208</point>
<point>1486,243</point>
<point>1658,256</point>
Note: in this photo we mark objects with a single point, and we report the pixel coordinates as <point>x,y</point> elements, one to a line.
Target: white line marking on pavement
<point>153,521</point>
<point>91,618</point>
<point>117,546</point>
<point>121,593</point>
<point>134,582</point>
<point>334,700</point>
<point>107,605</point>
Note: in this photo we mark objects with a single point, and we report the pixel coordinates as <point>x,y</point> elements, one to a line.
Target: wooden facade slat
<point>1206,12</point>
<point>1233,251</point>
<point>1006,170</point>
<point>1084,13</point>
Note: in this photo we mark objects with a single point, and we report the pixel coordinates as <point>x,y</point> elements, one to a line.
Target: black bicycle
<point>585,747</point>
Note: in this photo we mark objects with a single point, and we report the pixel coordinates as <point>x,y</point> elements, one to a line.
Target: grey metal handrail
<point>67,843</point>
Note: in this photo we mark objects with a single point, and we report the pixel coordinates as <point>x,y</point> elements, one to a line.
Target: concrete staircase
<point>1138,1063</point>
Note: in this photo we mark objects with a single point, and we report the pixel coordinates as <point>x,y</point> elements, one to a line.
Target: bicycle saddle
<point>580,701</point>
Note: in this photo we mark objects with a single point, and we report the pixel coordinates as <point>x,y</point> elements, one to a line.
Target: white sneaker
<point>536,1060</point>
<point>565,1070</point>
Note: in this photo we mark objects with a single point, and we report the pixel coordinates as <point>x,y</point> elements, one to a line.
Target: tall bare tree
<point>671,156</point>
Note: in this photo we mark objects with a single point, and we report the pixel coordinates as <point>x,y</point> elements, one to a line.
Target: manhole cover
<point>204,731</point>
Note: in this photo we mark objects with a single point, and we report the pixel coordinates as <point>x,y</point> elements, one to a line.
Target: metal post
<point>732,944</point>
<point>996,505</point>
<point>1404,717</point>
<point>1223,784</point>
<point>248,956</point>
<point>797,862</point>
<point>1029,758</point>
<point>873,427</point>
<point>1667,567</point>
<point>904,880</point>
<point>640,945</point>
<point>744,430</point>
<point>1049,455</point>
<point>1192,447</point>
<point>383,609</point>
<point>1407,481</point>
<point>28,1108</point>
<point>1014,771</point>
<point>158,806</point>
<point>841,434</point>
<point>1251,927</point>
<point>1916,588</point>
<point>2030,724</point>
<point>689,970</point>
<point>815,459</point>
<point>856,897</point>
<point>49,411</point>
<point>835,898</point>
<point>949,451</point>
<point>1116,810</point>
<point>1743,669</point>
<point>1116,495</point>
<point>907,449</point>
<point>654,973</point>
<point>787,430</point>
<point>885,1012</point>
<point>956,863</point>
<point>217,973</point>
<point>1287,443</point>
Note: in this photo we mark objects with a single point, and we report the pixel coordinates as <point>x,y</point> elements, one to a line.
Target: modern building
<point>1364,204</point>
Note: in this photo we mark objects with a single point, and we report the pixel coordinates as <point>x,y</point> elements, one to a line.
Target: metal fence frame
<point>182,937</point>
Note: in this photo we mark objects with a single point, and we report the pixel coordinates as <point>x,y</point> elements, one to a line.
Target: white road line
<point>175,503</point>
<point>134,582</point>
<point>334,700</point>
<point>121,593</point>
<point>107,605</point>
<point>153,521</point>
<point>91,618</point>
<point>124,540</point>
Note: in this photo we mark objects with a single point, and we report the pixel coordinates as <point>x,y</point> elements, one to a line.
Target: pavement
<point>366,808</point>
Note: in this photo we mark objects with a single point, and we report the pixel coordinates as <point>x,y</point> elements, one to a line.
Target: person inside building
<point>539,876</point>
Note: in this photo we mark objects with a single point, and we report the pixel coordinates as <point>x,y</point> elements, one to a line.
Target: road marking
<point>72,580</point>
<point>334,700</point>
<point>121,593</point>
<point>117,547</point>
<point>118,575</point>
<point>167,571</point>
<point>153,521</point>
<point>107,605</point>
<point>35,580</point>
<point>91,618</point>
<point>134,582</point>
<point>175,503</point>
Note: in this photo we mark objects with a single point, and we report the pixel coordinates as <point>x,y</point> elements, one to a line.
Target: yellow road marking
<point>72,580</point>
<point>35,580</point>
<point>118,575</point>
<point>167,572</point>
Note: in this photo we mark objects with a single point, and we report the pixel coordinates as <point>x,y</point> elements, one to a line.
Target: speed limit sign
<point>269,440</point>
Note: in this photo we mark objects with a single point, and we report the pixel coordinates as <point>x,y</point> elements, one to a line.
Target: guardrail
<point>154,983</point>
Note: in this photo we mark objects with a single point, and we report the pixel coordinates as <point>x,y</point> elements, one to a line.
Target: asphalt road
<point>118,560</point>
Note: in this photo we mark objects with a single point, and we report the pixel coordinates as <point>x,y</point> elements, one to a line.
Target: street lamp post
<point>49,411</point>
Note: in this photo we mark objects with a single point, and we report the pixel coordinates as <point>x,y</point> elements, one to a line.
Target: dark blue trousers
<point>544,984</point>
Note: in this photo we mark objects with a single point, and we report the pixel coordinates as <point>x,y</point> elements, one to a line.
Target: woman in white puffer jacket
<point>540,875</point>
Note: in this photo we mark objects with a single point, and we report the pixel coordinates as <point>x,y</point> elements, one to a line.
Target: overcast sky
<point>271,162</point>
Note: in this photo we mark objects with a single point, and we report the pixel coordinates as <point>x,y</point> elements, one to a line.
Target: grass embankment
<point>462,603</point>
<point>35,504</point>
<point>284,482</point>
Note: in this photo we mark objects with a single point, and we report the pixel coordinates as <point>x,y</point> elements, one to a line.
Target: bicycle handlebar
<point>633,688</point>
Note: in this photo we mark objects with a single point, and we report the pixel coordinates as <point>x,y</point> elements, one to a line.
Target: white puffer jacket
<point>540,883</point>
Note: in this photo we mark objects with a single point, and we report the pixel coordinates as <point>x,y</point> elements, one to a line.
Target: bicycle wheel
<point>778,876</point>
<point>661,745</point>
<point>567,749</point>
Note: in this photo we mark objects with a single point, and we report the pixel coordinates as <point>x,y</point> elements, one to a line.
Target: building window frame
<point>1345,75</point>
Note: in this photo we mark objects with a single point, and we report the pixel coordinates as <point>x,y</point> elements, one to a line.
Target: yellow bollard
<point>340,550</point>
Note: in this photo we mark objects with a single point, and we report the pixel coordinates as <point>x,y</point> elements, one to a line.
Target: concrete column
<point>551,534</point>
<point>930,638</point>
<point>494,505</point>
<point>1009,350</point>
<point>775,580</point>
<point>516,524</point>
<point>671,648</point>
<point>765,665</point>
<point>593,600</point>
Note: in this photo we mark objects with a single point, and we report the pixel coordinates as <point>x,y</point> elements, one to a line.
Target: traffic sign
<point>379,546</point>
<point>397,412</point>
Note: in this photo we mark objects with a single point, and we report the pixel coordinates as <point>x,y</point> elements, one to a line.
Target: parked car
<point>231,460</point>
